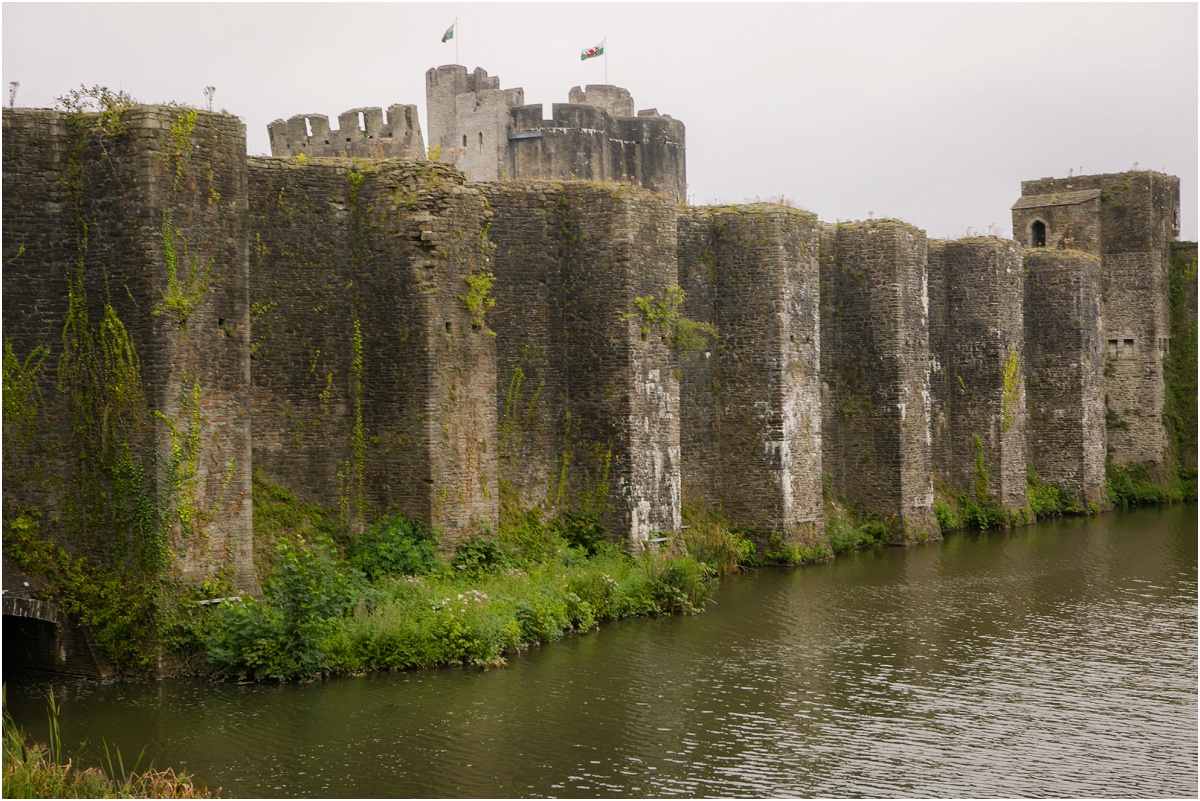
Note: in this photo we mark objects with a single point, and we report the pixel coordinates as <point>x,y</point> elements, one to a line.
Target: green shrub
<point>580,531</point>
<point>848,534</point>
<point>527,536</point>
<point>393,547</point>
<point>681,584</point>
<point>947,517</point>
<point>282,638</point>
<point>1131,485</point>
<point>481,554</point>
<point>599,590</point>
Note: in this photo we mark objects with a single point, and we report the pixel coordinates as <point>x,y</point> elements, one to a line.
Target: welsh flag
<point>591,52</point>
<point>449,34</point>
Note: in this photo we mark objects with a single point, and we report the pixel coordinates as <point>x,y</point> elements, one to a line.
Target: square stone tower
<point>1129,220</point>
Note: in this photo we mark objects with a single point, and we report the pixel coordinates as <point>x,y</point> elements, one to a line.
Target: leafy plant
<point>283,637</point>
<point>478,299</point>
<point>480,554</point>
<point>680,332</point>
<point>393,547</point>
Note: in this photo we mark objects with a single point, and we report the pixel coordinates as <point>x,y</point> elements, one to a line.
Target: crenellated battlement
<point>490,134</point>
<point>362,132</point>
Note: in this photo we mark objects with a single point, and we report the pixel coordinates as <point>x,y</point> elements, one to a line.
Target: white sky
<point>931,113</point>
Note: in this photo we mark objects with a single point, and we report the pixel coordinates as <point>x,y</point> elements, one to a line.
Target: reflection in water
<point>1054,660</point>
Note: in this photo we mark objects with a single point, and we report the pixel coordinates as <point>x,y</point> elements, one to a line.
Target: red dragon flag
<point>449,34</point>
<point>591,52</point>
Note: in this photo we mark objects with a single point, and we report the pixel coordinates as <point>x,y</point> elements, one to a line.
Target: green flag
<point>449,34</point>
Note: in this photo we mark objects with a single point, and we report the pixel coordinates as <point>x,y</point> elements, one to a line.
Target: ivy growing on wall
<point>675,329</point>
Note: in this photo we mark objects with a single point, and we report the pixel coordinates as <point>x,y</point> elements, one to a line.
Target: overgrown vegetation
<point>678,331</point>
<point>43,770</point>
<point>1132,485</point>
<point>386,599</point>
<point>1050,500</point>
<point>1179,409</point>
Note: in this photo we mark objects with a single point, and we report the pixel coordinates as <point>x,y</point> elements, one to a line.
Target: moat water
<point>1057,660</point>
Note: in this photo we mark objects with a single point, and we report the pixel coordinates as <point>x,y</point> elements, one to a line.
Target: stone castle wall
<point>875,363</point>
<point>126,269</point>
<point>372,378</point>
<point>1128,220</point>
<point>331,326</point>
<point>977,350</point>
<point>589,406</point>
<point>1065,365</point>
<point>751,400</point>
<point>491,135</point>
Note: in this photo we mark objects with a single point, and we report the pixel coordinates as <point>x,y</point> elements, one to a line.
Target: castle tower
<point>1129,220</point>
<point>469,120</point>
<point>491,135</point>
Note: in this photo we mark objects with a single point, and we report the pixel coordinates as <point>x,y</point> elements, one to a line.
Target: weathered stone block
<point>1064,384</point>
<point>751,401</point>
<point>875,369</point>
<point>587,393</point>
<point>977,346</point>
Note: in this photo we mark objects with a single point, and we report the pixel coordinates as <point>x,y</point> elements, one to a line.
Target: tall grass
<point>394,604</point>
<point>42,770</point>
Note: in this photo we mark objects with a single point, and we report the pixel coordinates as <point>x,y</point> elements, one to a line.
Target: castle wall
<point>751,401</point>
<point>574,143</point>
<point>875,363</point>
<point>361,133</point>
<point>593,425</point>
<point>125,261</point>
<point>977,376</point>
<point>372,377</point>
<point>1130,221</point>
<point>1066,431</point>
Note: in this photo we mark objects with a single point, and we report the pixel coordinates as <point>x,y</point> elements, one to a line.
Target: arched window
<point>1037,233</point>
<point>464,140</point>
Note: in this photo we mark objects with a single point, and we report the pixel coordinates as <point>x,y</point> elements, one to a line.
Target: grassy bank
<point>42,770</point>
<point>386,599</point>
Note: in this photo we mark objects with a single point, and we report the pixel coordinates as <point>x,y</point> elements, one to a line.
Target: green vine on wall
<point>981,473</point>
<point>478,299</point>
<point>181,146</point>
<point>1012,386</point>
<point>181,469</point>
<point>678,331</point>
<point>183,293</point>
<point>351,500</point>
<point>22,395</point>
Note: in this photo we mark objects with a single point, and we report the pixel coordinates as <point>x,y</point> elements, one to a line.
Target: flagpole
<point>606,60</point>
<point>456,40</point>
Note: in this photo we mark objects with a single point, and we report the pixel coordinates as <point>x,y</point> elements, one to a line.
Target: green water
<point>1054,660</point>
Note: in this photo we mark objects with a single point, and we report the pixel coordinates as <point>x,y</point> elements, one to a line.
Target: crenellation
<point>361,133</point>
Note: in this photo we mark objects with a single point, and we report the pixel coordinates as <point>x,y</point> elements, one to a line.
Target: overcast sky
<point>930,113</point>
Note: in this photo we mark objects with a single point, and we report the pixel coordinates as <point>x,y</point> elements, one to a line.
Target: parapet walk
<point>390,337</point>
